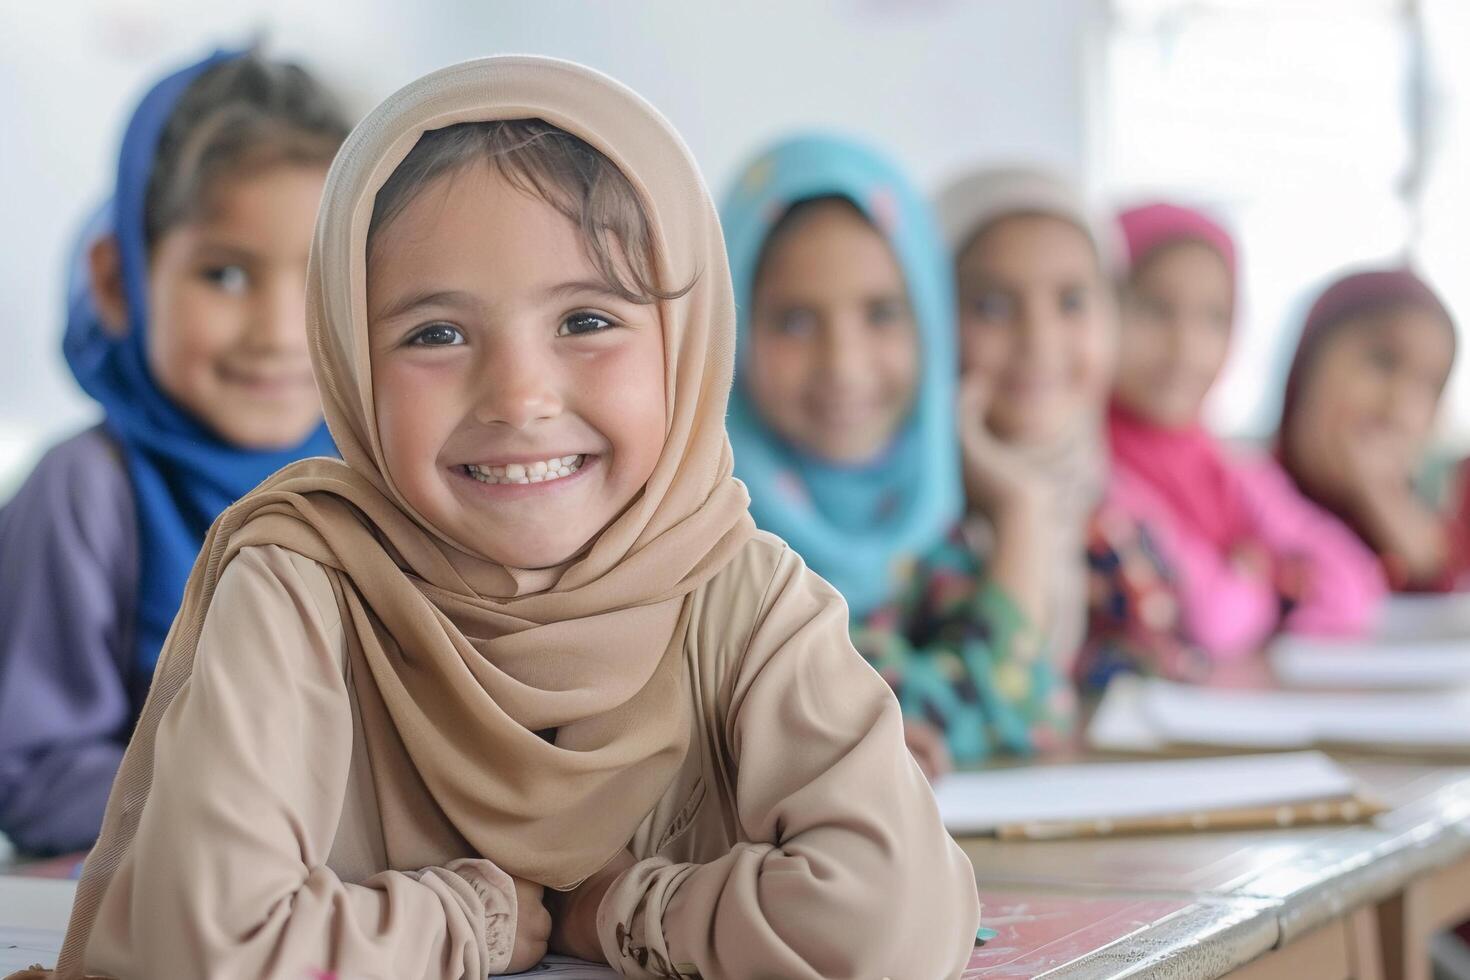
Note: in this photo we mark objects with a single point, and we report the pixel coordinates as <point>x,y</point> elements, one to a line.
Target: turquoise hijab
<point>859,527</point>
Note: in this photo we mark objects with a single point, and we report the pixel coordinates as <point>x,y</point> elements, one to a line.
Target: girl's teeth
<point>541,471</point>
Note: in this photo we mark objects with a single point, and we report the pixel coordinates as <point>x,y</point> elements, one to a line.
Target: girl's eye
<point>1383,358</point>
<point>795,323</point>
<point>886,312</point>
<point>437,335</point>
<point>1073,300</point>
<point>993,306</point>
<point>581,324</point>
<point>1152,310</point>
<point>231,279</point>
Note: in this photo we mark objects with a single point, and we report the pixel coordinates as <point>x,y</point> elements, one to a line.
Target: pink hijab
<point>1187,466</point>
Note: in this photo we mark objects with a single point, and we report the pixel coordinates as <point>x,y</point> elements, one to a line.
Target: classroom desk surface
<point>1262,904</point>
<point>1066,935</point>
<point>1051,933</point>
<point>1314,874</point>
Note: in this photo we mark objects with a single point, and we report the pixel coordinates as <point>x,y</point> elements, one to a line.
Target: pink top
<point>1230,611</point>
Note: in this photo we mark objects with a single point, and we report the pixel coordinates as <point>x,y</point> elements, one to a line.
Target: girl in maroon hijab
<point>1358,413</point>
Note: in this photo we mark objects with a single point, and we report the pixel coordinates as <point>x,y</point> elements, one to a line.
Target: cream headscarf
<point>1076,464</point>
<point>457,662</point>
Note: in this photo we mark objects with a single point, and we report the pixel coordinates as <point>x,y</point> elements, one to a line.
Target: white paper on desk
<point>1424,617</point>
<point>1381,665</point>
<point>34,913</point>
<point>1151,714</point>
<point>21,947</point>
<point>566,968</point>
<point>979,802</point>
<point>1121,723</point>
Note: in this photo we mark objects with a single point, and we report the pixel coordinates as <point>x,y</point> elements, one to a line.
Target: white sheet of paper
<point>1121,723</point>
<point>566,968</point>
<point>34,913</point>
<point>33,916</point>
<point>1424,617</point>
<point>1307,662</point>
<point>978,802</point>
<point>1150,714</point>
<point>22,948</point>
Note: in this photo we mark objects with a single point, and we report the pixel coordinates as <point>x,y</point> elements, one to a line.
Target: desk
<point>1049,933</point>
<point>1068,935</point>
<point>1313,903</point>
<point>1397,879</point>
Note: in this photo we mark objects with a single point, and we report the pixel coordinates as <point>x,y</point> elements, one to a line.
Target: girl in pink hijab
<point>1249,554</point>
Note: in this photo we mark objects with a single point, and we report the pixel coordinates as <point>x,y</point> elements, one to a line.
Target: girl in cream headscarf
<point>526,634</point>
<point>1035,269</point>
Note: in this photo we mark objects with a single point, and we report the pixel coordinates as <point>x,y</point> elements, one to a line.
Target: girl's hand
<point>574,926</point>
<point>533,927</point>
<point>1253,560</point>
<point>927,746</point>
<point>1375,465</point>
<point>997,478</point>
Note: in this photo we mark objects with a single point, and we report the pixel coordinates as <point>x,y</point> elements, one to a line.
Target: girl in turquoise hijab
<point>853,464</point>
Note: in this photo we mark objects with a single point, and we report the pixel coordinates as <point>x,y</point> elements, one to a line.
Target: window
<point>1320,131</point>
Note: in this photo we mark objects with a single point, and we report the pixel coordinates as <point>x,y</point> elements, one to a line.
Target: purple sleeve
<point>68,579</point>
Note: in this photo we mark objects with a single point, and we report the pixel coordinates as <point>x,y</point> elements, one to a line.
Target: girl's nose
<point>278,320</point>
<point>516,388</point>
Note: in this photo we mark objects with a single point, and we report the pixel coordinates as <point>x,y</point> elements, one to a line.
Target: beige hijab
<point>457,662</point>
<point>1076,464</point>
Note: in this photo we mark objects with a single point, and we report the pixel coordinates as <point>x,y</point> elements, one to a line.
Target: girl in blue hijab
<point>186,323</point>
<point>842,417</point>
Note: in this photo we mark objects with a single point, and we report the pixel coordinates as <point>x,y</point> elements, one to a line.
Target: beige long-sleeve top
<point>797,840</point>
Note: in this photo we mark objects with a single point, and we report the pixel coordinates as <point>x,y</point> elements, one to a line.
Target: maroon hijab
<point>1349,297</point>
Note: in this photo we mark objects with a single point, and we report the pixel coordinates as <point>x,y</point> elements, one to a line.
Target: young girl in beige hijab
<point>526,634</point>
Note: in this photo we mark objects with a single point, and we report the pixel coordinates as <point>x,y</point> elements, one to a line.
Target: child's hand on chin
<point>533,927</point>
<point>997,478</point>
<point>574,930</point>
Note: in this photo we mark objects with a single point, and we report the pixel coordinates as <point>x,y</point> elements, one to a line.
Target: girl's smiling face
<point>1036,321</point>
<point>227,309</point>
<point>1177,318</point>
<point>1376,381</point>
<point>520,401</point>
<point>834,354</point>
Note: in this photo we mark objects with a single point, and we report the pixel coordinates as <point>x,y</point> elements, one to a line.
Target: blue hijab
<point>857,526</point>
<point>182,475</point>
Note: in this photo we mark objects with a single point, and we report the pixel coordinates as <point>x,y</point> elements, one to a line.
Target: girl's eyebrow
<point>580,287</point>
<point>218,247</point>
<point>434,297</point>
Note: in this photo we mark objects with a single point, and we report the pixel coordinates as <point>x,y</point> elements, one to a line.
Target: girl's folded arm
<point>1344,581</point>
<point>228,873</point>
<point>1227,611</point>
<point>848,871</point>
